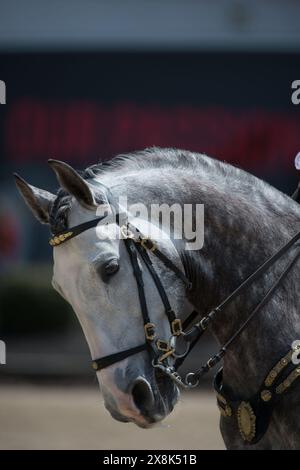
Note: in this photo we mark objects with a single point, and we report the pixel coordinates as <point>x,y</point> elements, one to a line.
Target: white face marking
<point>110,312</point>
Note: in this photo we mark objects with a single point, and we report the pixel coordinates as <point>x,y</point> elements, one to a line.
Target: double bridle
<point>161,350</point>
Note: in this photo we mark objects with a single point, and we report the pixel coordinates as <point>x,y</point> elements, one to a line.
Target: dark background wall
<point>88,106</point>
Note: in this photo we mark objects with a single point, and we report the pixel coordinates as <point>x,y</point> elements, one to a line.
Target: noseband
<point>161,350</point>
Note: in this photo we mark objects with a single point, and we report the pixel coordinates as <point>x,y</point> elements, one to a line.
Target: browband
<point>72,232</point>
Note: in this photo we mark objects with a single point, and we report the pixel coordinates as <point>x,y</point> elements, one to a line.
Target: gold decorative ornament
<point>270,379</point>
<point>147,243</point>
<point>278,368</point>
<point>58,239</point>
<point>295,374</point>
<point>266,395</point>
<point>246,421</point>
<point>94,365</point>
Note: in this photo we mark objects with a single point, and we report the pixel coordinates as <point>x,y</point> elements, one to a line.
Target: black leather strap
<point>106,361</point>
<point>74,231</point>
<point>296,194</point>
<point>164,259</point>
<point>161,290</point>
<point>132,251</point>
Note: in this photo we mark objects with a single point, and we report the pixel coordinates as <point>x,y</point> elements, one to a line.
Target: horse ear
<point>73,183</point>
<point>38,200</point>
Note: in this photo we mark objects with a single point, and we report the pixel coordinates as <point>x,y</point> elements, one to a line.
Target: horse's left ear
<point>38,200</point>
<point>73,183</point>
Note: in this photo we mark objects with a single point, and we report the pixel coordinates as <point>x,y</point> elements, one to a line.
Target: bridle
<point>161,350</point>
<point>138,246</point>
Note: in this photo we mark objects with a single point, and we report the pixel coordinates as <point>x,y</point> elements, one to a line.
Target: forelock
<point>62,205</point>
<point>59,212</point>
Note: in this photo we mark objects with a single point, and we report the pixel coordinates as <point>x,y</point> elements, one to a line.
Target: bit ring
<point>190,382</point>
<point>175,354</point>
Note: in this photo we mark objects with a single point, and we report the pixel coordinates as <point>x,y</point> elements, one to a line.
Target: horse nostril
<point>111,267</point>
<point>142,395</point>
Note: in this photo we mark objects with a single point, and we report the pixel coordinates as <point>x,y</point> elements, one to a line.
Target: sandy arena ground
<point>40,417</point>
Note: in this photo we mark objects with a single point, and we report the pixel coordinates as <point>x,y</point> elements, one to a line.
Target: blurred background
<point>86,80</point>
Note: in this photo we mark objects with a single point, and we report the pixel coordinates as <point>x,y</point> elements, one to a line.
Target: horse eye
<point>111,267</point>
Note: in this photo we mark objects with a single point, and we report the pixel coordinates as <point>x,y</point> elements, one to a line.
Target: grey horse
<point>246,221</point>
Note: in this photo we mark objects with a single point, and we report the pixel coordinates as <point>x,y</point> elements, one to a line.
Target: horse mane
<point>153,157</point>
<point>216,171</point>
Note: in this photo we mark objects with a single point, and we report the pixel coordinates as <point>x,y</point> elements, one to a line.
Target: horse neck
<point>239,236</point>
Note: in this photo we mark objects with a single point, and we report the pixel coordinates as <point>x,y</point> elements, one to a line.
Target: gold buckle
<point>126,232</point>
<point>176,327</point>
<point>149,331</point>
<point>162,345</point>
<point>144,241</point>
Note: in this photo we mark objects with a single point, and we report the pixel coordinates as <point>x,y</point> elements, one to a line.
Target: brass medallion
<point>266,395</point>
<point>246,421</point>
